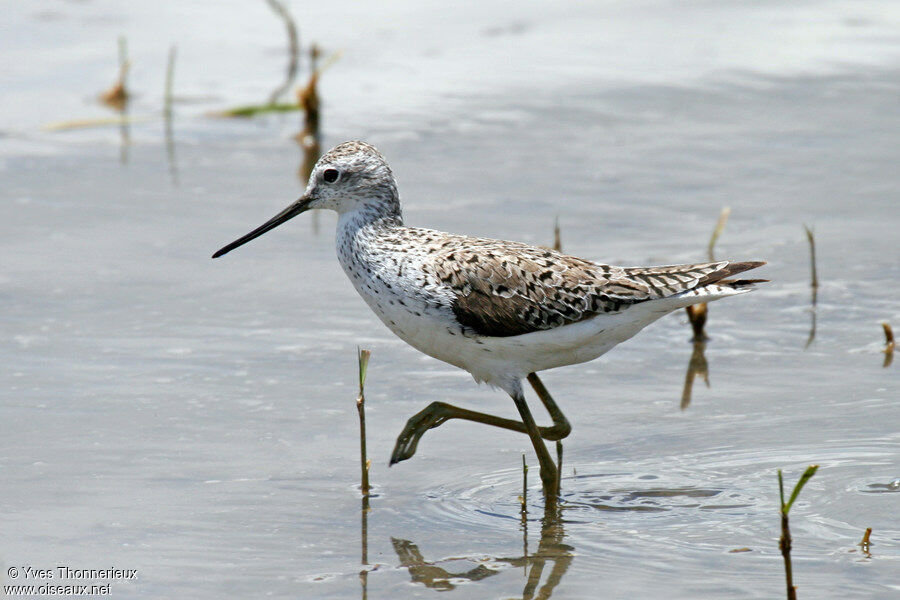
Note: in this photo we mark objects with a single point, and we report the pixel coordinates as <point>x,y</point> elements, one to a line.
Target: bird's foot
<point>432,416</point>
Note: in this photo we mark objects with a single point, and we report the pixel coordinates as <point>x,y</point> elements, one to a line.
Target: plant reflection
<point>310,138</point>
<point>889,344</point>
<point>697,365</point>
<point>293,50</point>
<point>364,540</point>
<point>168,128</point>
<point>813,284</point>
<point>812,314</point>
<point>117,98</point>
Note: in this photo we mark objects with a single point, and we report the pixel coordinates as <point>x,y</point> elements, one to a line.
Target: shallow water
<point>195,420</point>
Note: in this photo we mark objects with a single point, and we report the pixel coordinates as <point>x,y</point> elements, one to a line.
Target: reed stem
<point>363,356</point>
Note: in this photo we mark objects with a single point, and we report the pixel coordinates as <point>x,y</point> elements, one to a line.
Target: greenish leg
<point>549,473</point>
<point>437,413</point>
<point>561,427</point>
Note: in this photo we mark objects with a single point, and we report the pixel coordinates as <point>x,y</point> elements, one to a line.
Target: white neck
<point>367,217</point>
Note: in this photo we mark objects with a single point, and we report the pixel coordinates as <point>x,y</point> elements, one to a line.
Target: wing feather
<point>504,289</point>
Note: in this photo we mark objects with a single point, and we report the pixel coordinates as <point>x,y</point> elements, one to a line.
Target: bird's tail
<point>720,284</point>
<point>677,286</point>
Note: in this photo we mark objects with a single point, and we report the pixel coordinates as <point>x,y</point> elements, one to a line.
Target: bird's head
<point>351,177</point>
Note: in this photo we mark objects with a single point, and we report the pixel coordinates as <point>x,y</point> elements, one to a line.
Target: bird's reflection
<point>429,573</point>
<point>552,553</point>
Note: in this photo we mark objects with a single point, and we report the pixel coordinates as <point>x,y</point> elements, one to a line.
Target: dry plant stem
<point>813,284</point>
<point>697,314</point>
<point>124,135</point>
<point>523,511</point>
<point>309,138</point>
<point>889,344</point>
<point>308,98</point>
<point>167,115</point>
<point>785,545</point>
<point>361,409</point>
<point>865,543</point>
<point>123,51</point>
<point>253,110</point>
<point>293,49</point>
<point>524,487</point>
<point>811,237</point>
<point>117,99</point>
<point>720,226</point>
<point>559,457</point>
<point>866,535</point>
<point>117,96</point>
<point>557,238</point>
<point>170,80</point>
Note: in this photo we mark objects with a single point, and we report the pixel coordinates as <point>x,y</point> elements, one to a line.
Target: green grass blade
<point>257,109</point>
<point>363,366</point>
<point>807,475</point>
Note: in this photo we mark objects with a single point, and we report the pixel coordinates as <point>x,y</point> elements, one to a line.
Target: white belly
<point>499,361</point>
<point>418,308</point>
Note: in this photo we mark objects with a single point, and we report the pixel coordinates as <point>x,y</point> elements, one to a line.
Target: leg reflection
<point>429,573</point>
<point>550,549</point>
<point>552,554</point>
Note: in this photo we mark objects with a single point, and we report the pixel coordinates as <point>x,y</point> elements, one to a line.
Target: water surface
<point>196,420</point>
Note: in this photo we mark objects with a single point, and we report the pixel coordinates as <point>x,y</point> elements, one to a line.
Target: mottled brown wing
<point>511,289</point>
<point>506,289</point>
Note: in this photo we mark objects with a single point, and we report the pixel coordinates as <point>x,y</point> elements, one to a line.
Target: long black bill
<point>287,214</point>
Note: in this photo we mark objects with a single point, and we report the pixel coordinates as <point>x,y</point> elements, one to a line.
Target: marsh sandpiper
<point>503,311</point>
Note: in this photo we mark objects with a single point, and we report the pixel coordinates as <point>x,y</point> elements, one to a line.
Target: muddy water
<point>195,420</point>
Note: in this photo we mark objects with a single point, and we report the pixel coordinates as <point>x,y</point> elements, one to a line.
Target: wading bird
<point>503,311</point>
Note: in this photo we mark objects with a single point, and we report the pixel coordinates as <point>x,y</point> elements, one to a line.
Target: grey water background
<point>195,419</point>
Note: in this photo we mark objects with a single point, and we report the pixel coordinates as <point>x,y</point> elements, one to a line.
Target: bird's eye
<point>330,175</point>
